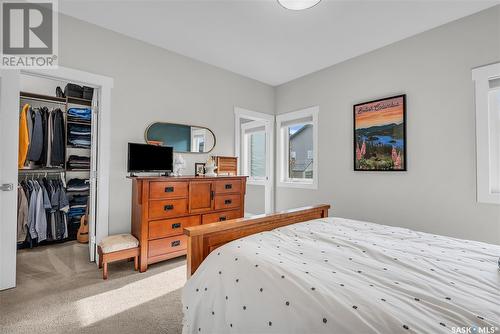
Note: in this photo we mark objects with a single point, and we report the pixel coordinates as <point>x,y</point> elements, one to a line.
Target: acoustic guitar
<point>83,230</point>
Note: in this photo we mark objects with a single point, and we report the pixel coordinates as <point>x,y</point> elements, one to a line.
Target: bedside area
<point>163,206</point>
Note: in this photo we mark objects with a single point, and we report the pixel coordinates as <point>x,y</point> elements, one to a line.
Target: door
<point>201,196</point>
<point>254,140</point>
<point>9,125</point>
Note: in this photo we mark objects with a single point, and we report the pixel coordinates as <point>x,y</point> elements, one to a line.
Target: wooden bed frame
<point>203,239</point>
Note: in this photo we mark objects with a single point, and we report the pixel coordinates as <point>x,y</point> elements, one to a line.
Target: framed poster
<point>380,135</point>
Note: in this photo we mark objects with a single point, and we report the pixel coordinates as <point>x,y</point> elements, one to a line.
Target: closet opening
<point>57,171</point>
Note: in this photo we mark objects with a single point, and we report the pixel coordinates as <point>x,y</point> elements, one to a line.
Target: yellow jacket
<point>24,140</point>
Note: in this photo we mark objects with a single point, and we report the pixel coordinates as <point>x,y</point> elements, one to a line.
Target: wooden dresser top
<point>185,178</point>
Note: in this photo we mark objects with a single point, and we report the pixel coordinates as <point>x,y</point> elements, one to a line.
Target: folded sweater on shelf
<point>78,185</point>
<point>80,113</point>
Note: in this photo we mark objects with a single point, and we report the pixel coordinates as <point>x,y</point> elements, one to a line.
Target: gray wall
<point>152,84</point>
<point>438,193</point>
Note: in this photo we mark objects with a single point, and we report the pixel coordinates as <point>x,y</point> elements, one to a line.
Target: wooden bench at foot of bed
<point>203,239</point>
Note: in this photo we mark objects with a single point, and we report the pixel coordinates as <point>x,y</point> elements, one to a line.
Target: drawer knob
<point>176,225</point>
<point>228,201</point>
<point>168,207</point>
<point>169,189</point>
<point>228,186</point>
<point>176,243</point>
<point>222,218</point>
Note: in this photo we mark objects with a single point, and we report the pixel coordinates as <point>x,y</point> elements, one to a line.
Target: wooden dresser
<point>163,206</point>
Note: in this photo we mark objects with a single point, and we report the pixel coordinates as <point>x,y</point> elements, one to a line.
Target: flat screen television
<point>149,158</point>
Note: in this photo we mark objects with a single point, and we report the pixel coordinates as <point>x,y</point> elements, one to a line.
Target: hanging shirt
<point>41,218</point>
<point>50,125</point>
<point>58,139</point>
<point>22,214</point>
<point>32,210</point>
<point>24,139</point>
<point>44,112</point>
<point>36,140</point>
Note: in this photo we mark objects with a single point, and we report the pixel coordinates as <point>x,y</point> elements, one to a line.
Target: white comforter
<point>337,275</point>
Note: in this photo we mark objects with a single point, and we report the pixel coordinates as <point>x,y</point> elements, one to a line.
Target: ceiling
<point>262,40</point>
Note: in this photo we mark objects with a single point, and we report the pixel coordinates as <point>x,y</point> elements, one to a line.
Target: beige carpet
<point>60,291</point>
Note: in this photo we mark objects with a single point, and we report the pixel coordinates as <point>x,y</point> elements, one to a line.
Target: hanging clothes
<point>22,214</point>
<point>24,139</point>
<point>58,142</point>
<point>43,214</point>
<point>50,131</point>
<point>36,139</point>
<point>44,111</point>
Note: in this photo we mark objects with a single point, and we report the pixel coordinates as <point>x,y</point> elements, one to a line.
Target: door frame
<point>269,121</point>
<point>104,85</point>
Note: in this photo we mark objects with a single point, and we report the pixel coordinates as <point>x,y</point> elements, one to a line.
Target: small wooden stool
<point>117,247</point>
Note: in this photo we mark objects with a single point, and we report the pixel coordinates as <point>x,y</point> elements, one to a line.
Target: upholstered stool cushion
<point>118,242</point>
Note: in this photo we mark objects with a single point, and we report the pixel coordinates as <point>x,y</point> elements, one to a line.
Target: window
<point>254,150</point>
<point>198,139</point>
<point>487,93</point>
<point>297,148</point>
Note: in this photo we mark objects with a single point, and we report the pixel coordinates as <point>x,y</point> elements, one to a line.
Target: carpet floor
<point>60,291</point>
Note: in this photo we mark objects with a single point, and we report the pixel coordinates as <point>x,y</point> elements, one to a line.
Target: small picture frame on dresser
<point>199,168</point>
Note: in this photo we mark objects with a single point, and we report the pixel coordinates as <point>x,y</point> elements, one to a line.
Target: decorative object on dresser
<point>380,135</point>
<point>226,165</point>
<point>199,168</point>
<point>179,165</point>
<point>163,206</point>
<point>210,167</point>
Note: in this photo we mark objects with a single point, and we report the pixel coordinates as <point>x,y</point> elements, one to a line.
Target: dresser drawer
<point>227,186</point>
<point>160,190</point>
<point>220,216</point>
<point>170,227</point>
<point>167,208</point>
<point>227,201</point>
<point>167,245</point>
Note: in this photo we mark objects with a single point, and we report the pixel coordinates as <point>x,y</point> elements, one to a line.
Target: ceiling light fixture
<point>298,4</point>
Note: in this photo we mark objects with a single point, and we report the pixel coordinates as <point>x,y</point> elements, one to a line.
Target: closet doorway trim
<point>104,85</point>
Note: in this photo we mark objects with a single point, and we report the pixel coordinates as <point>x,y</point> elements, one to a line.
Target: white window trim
<point>282,148</point>
<point>245,154</point>
<point>481,77</point>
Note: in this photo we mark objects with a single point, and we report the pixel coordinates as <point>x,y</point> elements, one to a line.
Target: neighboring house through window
<point>297,148</point>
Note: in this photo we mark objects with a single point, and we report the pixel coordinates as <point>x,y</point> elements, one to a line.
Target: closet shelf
<point>41,170</point>
<point>78,122</point>
<point>77,100</point>
<point>77,147</point>
<point>41,97</point>
<point>78,169</point>
<point>55,99</point>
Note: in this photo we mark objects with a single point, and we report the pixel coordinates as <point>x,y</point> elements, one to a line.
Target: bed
<point>290,273</point>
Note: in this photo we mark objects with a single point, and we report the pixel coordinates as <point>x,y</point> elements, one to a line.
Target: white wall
<point>438,193</point>
<point>255,199</point>
<point>152,84</point>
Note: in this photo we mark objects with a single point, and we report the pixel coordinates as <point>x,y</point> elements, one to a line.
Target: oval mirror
<point>183,138</point>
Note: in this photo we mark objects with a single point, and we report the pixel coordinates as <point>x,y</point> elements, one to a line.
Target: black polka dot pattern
<point>359,283</point>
